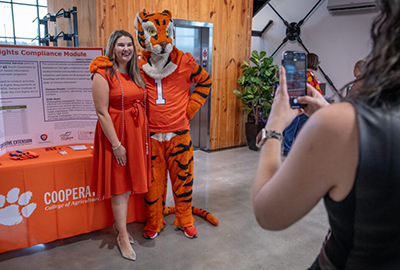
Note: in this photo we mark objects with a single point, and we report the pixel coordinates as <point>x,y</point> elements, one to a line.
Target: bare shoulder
<point>99,82</point>
<point>337,119</point>
<point>97,77</point>
<point>331,138</point>
<point>342,112</point>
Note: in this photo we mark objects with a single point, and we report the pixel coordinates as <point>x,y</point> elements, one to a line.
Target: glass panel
<point>6,41</point>
<point>186,39</point>
<point>32,2</point>
<point>42,34</point>
<point>43,3</point>
<point>6,27</point>
<point>29,42</point>
<point>23,17</point>
<point>42,12</point>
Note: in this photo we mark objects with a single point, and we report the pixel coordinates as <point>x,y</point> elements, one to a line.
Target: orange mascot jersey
<point>169,97</point>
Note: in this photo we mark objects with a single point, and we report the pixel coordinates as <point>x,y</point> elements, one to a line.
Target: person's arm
<point>323,160</point>
<point>100,92</point>
<point>203,83</point>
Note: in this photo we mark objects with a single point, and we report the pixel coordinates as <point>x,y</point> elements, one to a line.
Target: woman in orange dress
<point>121,164</point>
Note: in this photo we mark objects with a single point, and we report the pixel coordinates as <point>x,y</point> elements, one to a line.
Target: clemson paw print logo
<point>18,207</point>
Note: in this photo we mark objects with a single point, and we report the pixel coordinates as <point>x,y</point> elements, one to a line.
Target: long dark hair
<point>133,66</point>
<point>380,79</point>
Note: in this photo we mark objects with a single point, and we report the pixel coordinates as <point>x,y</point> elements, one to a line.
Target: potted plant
<point>255,92</point>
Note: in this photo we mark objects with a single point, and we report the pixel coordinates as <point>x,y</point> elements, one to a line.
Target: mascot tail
<point>196,211</point>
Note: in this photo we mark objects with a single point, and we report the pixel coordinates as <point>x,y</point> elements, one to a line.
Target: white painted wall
<point>339,40</point>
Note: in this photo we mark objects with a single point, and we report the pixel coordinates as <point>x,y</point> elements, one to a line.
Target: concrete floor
<point>222,185</point>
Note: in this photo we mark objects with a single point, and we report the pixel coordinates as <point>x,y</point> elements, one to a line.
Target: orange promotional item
<point>49,198</point>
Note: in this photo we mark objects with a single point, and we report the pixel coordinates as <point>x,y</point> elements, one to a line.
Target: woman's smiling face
<point>123,50</point>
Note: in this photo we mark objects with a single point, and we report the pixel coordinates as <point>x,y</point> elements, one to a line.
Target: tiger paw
<point>18,208</point>
<point>100,62</point>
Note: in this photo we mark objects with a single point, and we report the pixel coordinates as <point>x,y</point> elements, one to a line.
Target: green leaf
<point>252,71</point>
<point>241,80</point>
<point>268,61</point>
<point>266,104</point>
<point>254,54</point>
<point>254,60</point>
<point>245,65</point>
<point>262,54</point>
<point>247,110</point>
<point>250,90</point>
<point>267,87</point>
<point>237,92</point>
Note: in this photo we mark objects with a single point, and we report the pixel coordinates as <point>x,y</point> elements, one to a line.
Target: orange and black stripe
<point>203,83</point>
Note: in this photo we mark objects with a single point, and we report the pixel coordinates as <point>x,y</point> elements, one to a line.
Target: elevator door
<point>196,38</point>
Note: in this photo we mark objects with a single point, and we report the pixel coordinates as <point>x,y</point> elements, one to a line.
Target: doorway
<point>196,38</point>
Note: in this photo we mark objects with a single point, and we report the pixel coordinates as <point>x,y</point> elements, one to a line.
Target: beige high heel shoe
<point>131,240</point>
<point>131,256</point>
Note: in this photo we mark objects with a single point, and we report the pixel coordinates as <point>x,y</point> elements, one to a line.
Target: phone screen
<point>295,64</point>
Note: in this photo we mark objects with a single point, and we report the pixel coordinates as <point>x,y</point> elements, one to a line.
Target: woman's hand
<point>282,113</point>
<point>314,100</point>
<point>120,155</point>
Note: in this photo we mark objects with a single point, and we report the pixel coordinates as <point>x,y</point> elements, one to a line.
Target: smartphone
<point>295,64</point>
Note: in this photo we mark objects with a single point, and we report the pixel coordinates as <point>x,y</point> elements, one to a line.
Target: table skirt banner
<point>42,200</point>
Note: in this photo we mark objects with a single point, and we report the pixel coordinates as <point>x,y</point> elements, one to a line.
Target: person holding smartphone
<point>346,154</point>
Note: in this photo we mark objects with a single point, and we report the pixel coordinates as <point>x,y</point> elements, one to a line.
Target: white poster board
<point>45,96</point>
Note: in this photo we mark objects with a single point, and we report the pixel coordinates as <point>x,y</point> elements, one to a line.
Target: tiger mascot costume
<point>168,73</point>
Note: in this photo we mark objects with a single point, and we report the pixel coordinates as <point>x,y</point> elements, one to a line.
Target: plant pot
<point>251,133</point>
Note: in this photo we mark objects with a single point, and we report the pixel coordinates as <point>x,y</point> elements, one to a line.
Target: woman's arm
<point>100,92</point>
<point>323,160</point>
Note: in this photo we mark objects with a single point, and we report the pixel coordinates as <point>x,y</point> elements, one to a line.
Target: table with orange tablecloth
<point>49,198</point>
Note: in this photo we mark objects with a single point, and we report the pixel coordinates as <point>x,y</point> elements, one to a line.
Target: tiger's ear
<point>139,19</point>
<point>167,12</point>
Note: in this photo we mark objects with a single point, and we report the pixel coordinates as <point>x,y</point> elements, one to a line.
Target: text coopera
<point>39,53</point>
<point>65,195</point>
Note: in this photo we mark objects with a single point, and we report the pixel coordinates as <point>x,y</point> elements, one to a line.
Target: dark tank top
<point>365,226</point>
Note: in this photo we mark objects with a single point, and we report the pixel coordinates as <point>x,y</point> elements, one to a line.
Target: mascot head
<point>155,32</point>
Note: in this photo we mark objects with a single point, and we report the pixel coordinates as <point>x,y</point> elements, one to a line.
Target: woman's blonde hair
<point>133,66</point>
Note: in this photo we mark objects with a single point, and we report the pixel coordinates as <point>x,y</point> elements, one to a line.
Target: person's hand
<point>120,155</point>
<point>314,100</point>
<point>282,113</point>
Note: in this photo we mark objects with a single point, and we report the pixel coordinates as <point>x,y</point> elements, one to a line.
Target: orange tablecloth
<point>49,198</point>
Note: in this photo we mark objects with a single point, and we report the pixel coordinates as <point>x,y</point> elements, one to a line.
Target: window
<point>17,21</point>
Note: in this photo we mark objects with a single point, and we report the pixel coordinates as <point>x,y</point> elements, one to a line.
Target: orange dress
<point>108,176</point>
